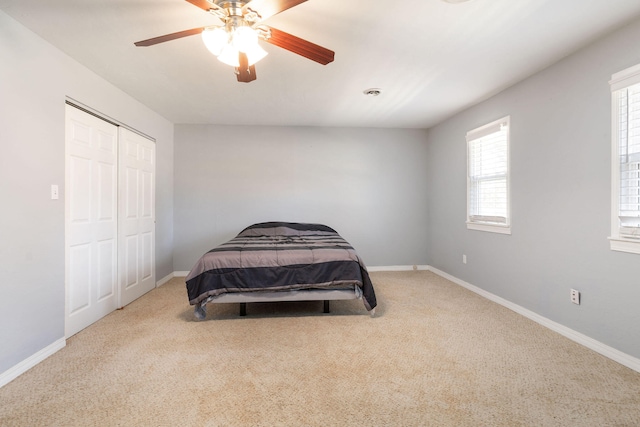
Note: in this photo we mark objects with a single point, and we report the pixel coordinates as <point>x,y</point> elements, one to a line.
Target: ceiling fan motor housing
<point>233,8</point>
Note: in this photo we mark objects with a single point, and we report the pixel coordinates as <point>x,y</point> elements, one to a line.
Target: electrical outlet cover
<point>575,296</point>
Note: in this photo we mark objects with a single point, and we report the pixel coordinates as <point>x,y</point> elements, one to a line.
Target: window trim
<point>488,226</point>
<point>618,241</point>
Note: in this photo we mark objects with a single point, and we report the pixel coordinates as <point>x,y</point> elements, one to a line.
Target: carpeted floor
<point>434,355</point>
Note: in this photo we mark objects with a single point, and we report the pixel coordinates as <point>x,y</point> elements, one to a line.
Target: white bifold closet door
<point>109,218</point>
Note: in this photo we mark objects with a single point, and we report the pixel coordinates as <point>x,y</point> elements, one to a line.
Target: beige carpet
<point>435,355</point>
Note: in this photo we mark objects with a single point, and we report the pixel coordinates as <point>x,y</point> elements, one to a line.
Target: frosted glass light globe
<point>215,39</point>
<point>245,38</point>
<point>229,56</point>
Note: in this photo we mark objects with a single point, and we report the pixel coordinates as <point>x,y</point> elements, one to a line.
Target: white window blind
<point>488,174</point>
<point>629,160</point>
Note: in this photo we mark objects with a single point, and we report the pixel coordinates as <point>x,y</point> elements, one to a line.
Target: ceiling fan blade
<point>169,37</point>
<point>244,72</point>
<point>267,8</point>
<point>301,47</point>
<point>202,4</point>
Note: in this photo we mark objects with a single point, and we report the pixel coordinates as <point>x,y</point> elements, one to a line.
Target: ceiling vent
<point>372,92</point>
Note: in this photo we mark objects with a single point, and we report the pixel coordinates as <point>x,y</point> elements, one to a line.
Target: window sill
<point>625,245</point>
<point>491,228</point>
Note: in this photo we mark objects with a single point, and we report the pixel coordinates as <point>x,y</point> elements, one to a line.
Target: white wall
<point>35,78</point>
<point>560,171</point>
<point>368,184</point>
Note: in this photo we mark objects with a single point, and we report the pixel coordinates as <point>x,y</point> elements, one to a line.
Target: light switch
<point>54,192</point>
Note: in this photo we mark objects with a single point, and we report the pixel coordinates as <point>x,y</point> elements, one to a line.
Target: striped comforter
<point>279,256</point>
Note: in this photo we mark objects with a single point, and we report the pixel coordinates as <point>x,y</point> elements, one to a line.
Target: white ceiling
<point>430,58</point>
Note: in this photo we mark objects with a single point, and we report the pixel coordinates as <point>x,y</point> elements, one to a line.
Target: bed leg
<point>243,309</point>
<point>326,306</point>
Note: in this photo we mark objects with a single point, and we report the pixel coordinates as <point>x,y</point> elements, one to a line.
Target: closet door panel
<point>137,216</point>
<point>90,219</point>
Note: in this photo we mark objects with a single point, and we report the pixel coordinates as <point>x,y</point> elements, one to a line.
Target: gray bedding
<point>279,256</point>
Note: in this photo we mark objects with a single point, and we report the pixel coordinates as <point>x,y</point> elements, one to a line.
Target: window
<point>488,178</point>
<point>625,167</point>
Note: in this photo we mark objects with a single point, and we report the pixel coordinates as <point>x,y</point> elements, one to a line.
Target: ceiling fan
<point>236,41</point>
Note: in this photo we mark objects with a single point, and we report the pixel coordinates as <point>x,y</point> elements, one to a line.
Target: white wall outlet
<point>464,259</point>
<point>54,192</point>
<point>575,296</point>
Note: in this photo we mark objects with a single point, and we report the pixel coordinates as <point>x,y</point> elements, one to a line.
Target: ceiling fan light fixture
<point>215,39</point>
<point>229,56</point>
<point>245,38</point>
<point>226,42</point>
<point>255,53</point>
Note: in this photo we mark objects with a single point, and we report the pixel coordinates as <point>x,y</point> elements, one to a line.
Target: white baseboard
<point>12,373</point>
<point>165,279</point>
<point>180,273</point>
<point>398,267</point>
<point>603,349</point>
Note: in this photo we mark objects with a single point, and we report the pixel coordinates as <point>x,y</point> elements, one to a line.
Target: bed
<point>280,261</point>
